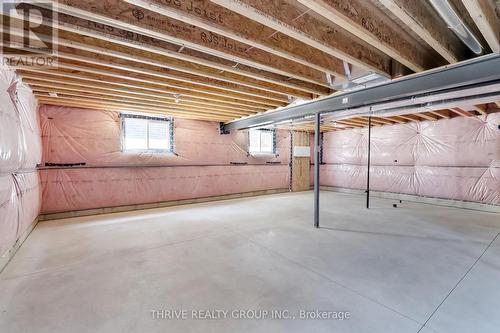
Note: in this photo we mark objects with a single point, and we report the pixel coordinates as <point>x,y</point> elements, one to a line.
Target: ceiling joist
<point>129,17</point>
<point>484,15</point>
<point>287,18</point>
<point>368,22</point>
<point>421,18</point>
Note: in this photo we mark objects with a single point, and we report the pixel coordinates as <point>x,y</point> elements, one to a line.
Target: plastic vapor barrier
<point>20,152</point>
<point>204,163</point>
<point>456,158</point>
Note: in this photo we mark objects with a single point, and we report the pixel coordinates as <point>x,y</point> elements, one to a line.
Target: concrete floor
<point>393,269</point>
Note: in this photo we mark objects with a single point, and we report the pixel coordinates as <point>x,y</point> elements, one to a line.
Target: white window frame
<point>260,152</point>
<point>150,119</point>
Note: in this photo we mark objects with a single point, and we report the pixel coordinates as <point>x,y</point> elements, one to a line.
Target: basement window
<point>145,133</point>
<point>262,141</point>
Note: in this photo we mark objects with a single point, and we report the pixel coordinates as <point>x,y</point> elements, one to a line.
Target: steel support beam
<point>317,151</point>
<point>368,162</point>
<point>452,77</point>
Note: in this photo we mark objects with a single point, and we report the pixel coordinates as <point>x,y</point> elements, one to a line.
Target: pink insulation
<point>456,159</point>
<point>200,167</point>
<point>20,152</point>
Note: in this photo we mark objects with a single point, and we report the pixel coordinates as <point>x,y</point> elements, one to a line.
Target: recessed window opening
<point>262,141</point>
<point>147,133</point>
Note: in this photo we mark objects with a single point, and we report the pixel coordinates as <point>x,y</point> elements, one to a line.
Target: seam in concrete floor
<point>330,279</point>
<point>459,281</point>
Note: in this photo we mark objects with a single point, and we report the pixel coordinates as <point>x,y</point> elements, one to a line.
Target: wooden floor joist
<point>194,83</point>
<point>441,113</point>
<point>90,103</point>
<point>239,28</point>
<point>98,96</point>
<point>426,116</point>
<point>52,85</point>
<point>481,109</point>
<point>225,59</point>
<point>105,107</point>
<point>372,25</point>
<point>398,120</point>
<point>97,85</point>
<point>287,18</point>
<point>95,41</point>
<point>410,117</point>
<point>420,17</point>
<point>117,76</point>
<point>461,112</point>
<point>158,26</point>
<point>484,15</point>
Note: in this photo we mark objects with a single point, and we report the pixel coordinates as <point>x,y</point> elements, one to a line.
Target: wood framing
<point>152,24</point>
<point>420,17</point>
<point>53,84</point>
<point>480,109</point>
<point>90,104</point>
<point>372,25</point>
<point>461,112</point>
<point>301,165</point>
<point>180,58</point>
<point>226,59</point>
<point>484,15</point>
<point>72,80</point>
<point>286,18</point>
<point>123,80</point>
<point>219,20</point>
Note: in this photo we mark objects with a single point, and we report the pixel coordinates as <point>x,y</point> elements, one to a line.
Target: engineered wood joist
<point>484,15</point>
<point>73,101</point>
<point>132,18</point>
<point>108,73</point>
<point>70,81</point>
<point>350,123</point>
<point>461,112</point>
<point>219,20</point>
<point>126,81</point>
<point>100,55</point>
<point>426,116</point>
<point>420,17</point>
<point>89,36</point>
<point>93,100</point>
<point>360,121</point>
<point>195,83</point>
<point>396,119</point>
<point>384,121</point>
<point>53,85</point>
<point>106,107</point>
<point>410,117</point>
<point>442,114</point>
<point>99,96</point>
<point>481,109</point>
<point>286,17</point>
<point>372,25</point>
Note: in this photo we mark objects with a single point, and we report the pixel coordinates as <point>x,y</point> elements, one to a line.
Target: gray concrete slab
<point>389,267</point>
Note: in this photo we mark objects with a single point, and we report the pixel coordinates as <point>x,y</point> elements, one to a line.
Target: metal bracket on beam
<point>222,129</point>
